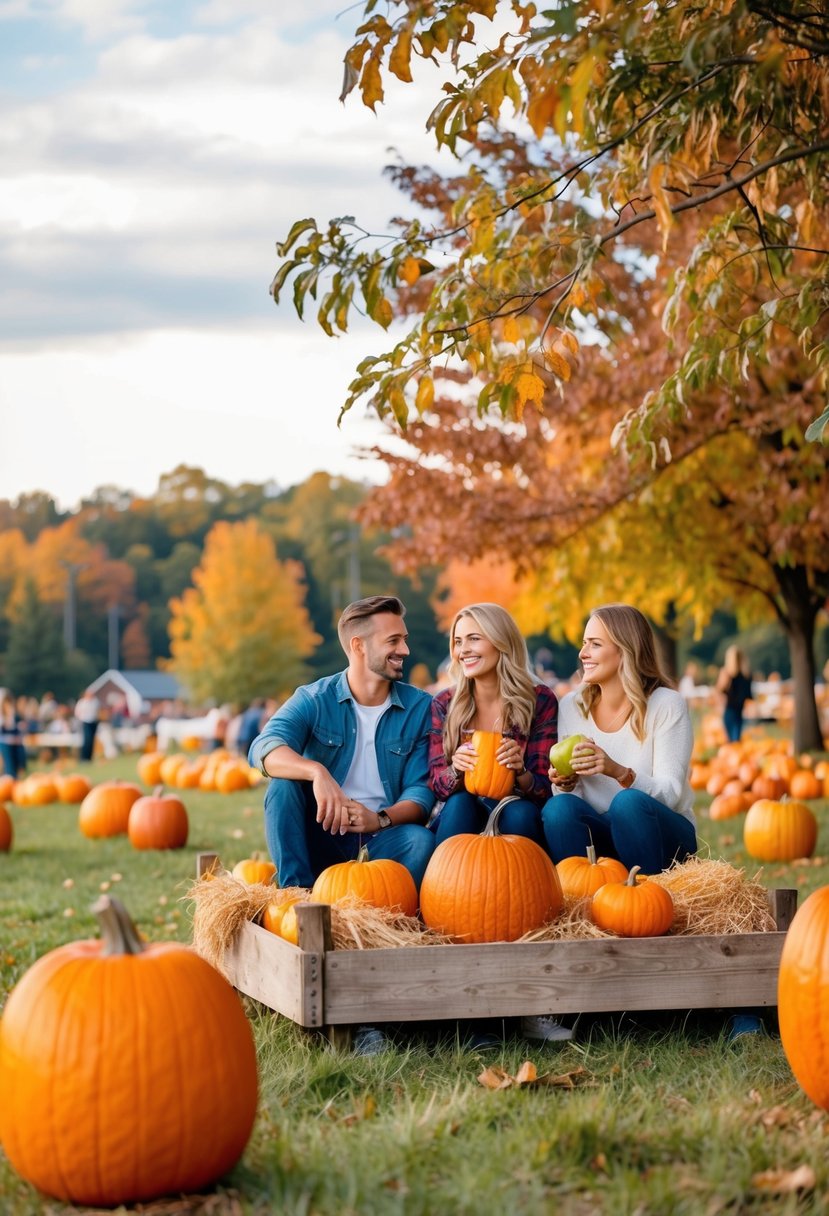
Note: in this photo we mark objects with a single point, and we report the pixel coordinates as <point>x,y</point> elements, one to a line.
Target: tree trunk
<point>667,643</point>
<point>799,623</point>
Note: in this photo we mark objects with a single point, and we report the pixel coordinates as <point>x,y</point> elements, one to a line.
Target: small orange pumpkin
<point>779,830</point>
<point>805,784</point>
<point>128,1071</point>
<point>582,876</point>
<point>726,806</point>
<point>105,810</point>
<point>72,787</point>
<point>158,821</point>
<point>6,786</point>
<point>488,779</point>
<point>489,888</point>
<point>633,909</point>
<point>254,869</point>
<point>6,829</point>
<point>383,883</point>
<point>149,767</point>
<point>279,916</point>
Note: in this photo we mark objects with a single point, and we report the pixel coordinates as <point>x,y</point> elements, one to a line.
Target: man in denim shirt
<point>348,757</point>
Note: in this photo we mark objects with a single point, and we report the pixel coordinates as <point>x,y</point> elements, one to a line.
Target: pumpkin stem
<point>591,854</point>
<point>363,855</point>
<point>630,881</point>
<point>118,933</point>
<point>492,828</point>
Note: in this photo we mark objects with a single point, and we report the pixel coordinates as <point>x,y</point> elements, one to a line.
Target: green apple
<point>561,754</point>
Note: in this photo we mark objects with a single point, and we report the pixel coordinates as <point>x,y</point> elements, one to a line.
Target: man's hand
<point>332,804</point>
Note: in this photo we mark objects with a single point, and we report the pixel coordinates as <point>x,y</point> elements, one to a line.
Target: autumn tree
<point>242,629</point>
<point>35,661</point>
<point>625,278</point>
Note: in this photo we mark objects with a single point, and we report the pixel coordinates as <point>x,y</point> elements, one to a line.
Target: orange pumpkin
<point>128,1071</point>
<point>6,786</point>
<point>149,767</point>
<point>105,810</point>
<point>6,829</point>
<point>802,992</point>
<point>767,785</point>
<point>254,869</point>
<point>232,776</point>
<point>726,806</point>
<point>488,779</point>
<point>805,784</point>
<point>275,917</point>
<point>489,888</point>
<point>582,876</point>
<point>72,787</point>
<point>383,883</point>
<point>41,789</point>
<point>779,830</point>
<point>633,908</point>
<point>158,821</point>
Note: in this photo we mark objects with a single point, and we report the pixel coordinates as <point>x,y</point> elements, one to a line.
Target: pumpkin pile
<point>741,773</point>
<point>114,1090</point>
<point>220,770</point>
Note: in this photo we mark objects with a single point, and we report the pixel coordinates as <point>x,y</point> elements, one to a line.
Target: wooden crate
<point>322,988</point>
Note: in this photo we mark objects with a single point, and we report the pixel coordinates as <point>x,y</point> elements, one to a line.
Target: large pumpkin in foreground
<point>803,997</point>
<point>128,1071</point>
<point>489,888</point>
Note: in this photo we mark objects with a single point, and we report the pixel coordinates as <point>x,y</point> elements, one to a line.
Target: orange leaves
<point>560,353</point>
<point>499,1078</point>
<point>661,202</point>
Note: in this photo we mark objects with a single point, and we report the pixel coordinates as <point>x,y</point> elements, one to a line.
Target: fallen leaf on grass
<point>783,1182</point>
<point>499,1078</point>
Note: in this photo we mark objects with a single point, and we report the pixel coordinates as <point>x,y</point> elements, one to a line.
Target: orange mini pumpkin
<point>779,830</point>
<point>383,883</point>
<point>128,1071</point>
<point>489,888</point>
<point>149,767</point>
<point>582,876</point>
<point>488,779</point>
<point>158,821</point>
<point>279,916</point>
<point>72,787</point>
<point>633,909</point>
<point>105,810</point>
<point>254,869</point>
<point>805,784</point>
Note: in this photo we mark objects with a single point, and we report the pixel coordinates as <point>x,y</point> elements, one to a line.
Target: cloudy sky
<point>151,153</point>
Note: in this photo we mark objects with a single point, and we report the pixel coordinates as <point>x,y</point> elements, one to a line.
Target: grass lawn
<point>663,1114</point>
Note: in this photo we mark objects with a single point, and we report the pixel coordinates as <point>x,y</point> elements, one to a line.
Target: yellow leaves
<point>560,353</point>
<point>806,216</point>
<point>425,396</point>
<point>401,56</point>
<point>541,109</point>
<point>382,313</point>
<point>409,270</point>
<point>528,387</point>
<point>371,84</point>
<point>661,202</point>
<point>511,331</point>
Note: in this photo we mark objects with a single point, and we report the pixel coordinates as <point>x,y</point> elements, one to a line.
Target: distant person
<point>250,725</point>
<point>734,683</point>
<point>12,727</point>
<point>88,715</point>
<point>688,681</point>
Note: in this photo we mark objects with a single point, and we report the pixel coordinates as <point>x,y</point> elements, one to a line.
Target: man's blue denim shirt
<point>319,723</point>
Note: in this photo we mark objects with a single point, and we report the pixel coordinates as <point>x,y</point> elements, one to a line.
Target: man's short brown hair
<point>352,618</point>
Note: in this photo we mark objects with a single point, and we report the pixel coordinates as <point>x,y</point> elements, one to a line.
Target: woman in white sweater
<point>628,793</point>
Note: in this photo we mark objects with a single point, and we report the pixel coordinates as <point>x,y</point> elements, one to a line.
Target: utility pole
<point>69,616</point>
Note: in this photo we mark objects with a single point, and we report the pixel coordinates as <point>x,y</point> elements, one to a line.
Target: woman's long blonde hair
<point>640,670</point>
<point>515,677</point>
<point>735,662</point>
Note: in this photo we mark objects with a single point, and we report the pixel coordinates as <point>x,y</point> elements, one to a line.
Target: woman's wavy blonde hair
<point>640,670</point>
<point>515,676</point>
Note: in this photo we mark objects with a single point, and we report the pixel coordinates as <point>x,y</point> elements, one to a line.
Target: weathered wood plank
<point>273,971</point>
<point>504,980</point>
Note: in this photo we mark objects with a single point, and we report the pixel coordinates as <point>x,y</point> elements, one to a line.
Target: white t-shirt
<point>362,781</point>
<point>661,760</point>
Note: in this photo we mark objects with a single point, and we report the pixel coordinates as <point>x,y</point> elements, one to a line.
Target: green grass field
<point>655,1113</point>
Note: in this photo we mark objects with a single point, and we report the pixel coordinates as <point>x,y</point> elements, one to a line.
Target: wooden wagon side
<point>319,987</point>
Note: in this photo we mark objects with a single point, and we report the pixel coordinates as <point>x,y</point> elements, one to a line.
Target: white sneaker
<point>545,1027</point>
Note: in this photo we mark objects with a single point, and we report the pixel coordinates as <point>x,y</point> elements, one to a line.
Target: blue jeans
<point>636,829</point>
<point>733,723</point>
<point>13,756</point>
<point>301,849</point>
<point>465,812</point>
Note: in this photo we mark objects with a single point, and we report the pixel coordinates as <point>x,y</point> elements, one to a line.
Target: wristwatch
<point>384,820</point>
